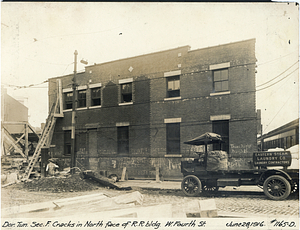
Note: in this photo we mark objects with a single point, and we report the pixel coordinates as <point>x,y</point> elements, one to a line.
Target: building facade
<point>283,137</point>
<point>137,112</point>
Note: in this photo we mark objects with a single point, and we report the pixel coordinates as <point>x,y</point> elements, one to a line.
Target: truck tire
<point>191,185</point>
<point>277,187</point>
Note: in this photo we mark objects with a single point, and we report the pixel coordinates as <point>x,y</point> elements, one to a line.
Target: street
<point>234,201</point>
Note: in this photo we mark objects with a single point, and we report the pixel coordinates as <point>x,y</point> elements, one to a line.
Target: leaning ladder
<point>44,139</point>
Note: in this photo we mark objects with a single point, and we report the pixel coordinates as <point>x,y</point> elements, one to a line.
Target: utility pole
<point>74,106</point>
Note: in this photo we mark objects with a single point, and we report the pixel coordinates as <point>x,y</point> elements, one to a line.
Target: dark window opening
<point>81,99</point>
<point>221,80</point>
<point>126,92</point>
<point>95,96</point>
<point>173,86</point>
<point>221,128</point>
<point>173,138</point>
<point>123,140</point>
<point>68,100</point>
<point>67,143</point>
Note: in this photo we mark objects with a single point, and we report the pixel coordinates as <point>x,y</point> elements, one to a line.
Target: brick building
<point>137,112</point>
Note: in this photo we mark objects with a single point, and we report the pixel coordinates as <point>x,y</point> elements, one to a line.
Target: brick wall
<point>146,116</point>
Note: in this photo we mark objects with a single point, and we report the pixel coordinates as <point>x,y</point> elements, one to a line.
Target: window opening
<point>68,100</point>
<point>67,143</point>
<point>221,128</point>
<point>221,80</point>
<point>96,96</point>
<point>123,140</point>
<point>173,138</point>
<point>81,99</point>
<point>126,92</point>
<point>173,86</point>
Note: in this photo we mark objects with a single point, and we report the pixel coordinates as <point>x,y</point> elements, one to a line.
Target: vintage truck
<point>270,170</point>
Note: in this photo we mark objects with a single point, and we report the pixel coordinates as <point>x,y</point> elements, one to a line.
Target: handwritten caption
<point>129,224</point>
<point>102,224</point>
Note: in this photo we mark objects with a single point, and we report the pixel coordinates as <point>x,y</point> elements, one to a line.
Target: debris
<point>201,208</point>
<point>65,183</point>
<point>134,197</point>
<point>89,174</point>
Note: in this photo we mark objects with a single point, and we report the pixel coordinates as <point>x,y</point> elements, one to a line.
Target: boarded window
<point>173,138</point>
<point>221,128</point>
<point>173,86</point>
<point>221,80</point>
<point>96,96</point>
<point>123,140</point>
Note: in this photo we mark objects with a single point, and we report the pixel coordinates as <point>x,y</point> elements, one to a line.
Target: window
<point>173,86</point>
<point>123,140</point>
<point>221,128</point>
<point>68,97</point>
<point>221,80</point>
<point>126,92</point>
<point>81,99</point>
<point>67,142</point>
<point>96,96</point>
<point>173,138</point>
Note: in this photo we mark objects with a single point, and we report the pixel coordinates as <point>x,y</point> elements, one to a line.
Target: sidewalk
<point>151,184</point>
<point>176,185</point>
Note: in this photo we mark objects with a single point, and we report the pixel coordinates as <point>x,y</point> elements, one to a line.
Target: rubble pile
<point>71,183</point>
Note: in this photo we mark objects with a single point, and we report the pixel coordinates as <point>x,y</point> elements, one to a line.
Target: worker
<point>51,167</point>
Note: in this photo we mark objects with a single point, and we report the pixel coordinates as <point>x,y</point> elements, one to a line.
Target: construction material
<point>123,177</point>
<point>48,129</point>
<point>134,197</point>
<point>157,179</point>
<point>89,174</point>
<point>201,208</point>
<point>90,204</point>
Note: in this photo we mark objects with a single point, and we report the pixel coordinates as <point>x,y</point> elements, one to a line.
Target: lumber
<point>50,205</point>
<point>102,180</point>
<point>134,197</point>
<point>123,174</point>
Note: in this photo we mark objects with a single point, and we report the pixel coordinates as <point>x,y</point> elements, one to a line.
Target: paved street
<point>230,201</point>
<point>242,201</point>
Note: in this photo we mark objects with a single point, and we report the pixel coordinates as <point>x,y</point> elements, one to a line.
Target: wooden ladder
<point>44,140</point>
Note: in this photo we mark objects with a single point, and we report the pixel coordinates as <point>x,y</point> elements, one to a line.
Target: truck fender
<point>275,172</point>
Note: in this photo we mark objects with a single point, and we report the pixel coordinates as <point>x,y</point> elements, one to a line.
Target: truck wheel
<point>191,185</point>
<point>295,187</point>
<point>209,189</point>
<point>277,187</point>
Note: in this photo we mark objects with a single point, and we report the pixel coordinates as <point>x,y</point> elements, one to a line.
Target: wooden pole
<point>74,105</point>
<point>26,140</point>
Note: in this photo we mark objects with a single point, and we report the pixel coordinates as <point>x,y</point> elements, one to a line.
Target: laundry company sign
<point>276,158</point>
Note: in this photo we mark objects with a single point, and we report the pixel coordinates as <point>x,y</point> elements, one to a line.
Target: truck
<point>269,170</point>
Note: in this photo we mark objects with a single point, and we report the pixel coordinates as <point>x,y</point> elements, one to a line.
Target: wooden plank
<point>89,174</point>
<point>133,197</point>
<point>123,174</point>
<point>51,205</point>
<point>26,140</point>
<point>15,146</point>
<point>18,140</point>
<point>157,179</point>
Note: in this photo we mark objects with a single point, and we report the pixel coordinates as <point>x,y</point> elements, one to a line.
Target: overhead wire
<point>278,75</point>
<point>278,80</point>
<point>279,111</point>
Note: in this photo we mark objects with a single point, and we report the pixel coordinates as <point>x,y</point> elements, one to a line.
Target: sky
<point>38,41</point>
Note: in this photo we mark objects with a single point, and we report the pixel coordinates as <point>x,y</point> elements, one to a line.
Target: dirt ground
<point>50,188</point>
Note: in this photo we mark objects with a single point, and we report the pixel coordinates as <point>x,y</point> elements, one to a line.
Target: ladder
<point>44,139</point>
